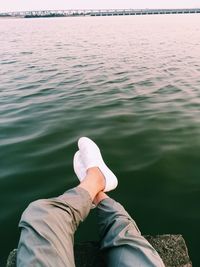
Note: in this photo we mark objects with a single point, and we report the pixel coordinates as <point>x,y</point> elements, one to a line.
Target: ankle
<point>99,197</point>
<point>95,171</point>
<point>97,177</point>
<point>94,182</point>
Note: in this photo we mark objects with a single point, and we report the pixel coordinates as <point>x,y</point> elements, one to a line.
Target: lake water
<point>130,83</point>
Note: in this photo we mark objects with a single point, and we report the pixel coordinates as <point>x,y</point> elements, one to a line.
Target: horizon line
<point>99,9</point>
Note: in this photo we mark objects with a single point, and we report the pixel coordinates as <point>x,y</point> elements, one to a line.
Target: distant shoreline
<point>96,13</point>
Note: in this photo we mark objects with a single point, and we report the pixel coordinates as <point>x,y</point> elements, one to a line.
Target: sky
<point>23,5</point>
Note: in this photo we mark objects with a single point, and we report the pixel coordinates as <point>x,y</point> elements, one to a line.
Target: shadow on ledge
<point>172,249</point>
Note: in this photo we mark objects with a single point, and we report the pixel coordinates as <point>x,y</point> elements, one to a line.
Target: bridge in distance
<point>103,12</point>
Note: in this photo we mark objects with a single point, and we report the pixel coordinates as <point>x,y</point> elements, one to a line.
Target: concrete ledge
<point>172,249</point>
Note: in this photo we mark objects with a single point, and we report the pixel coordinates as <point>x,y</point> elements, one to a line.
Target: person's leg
<point>121,241</point>
<point>48,225</point>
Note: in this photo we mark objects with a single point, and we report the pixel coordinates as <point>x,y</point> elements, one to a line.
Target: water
<point>130,83</point>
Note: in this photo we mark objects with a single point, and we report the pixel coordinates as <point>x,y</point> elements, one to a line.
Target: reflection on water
<point>130,83</point>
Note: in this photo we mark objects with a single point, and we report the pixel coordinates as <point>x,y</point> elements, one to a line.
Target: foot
<point>89,156</point>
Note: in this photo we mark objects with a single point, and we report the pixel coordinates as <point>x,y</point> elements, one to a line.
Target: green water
<point>130,83</point>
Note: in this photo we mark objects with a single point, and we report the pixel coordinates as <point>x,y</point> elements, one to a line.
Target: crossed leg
<point>121,241</point>
<point>48,225</point>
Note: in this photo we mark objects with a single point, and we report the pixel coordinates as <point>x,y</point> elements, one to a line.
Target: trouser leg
<point>121,241</point>
<point>47,229</point>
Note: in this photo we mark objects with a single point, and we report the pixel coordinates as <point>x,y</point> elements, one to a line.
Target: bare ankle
<point>95,171</point>
<point>98,176</point>
<point>99,197</point>
<point>94,182</point>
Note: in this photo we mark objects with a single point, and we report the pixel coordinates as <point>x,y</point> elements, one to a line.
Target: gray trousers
<point>48,227</point>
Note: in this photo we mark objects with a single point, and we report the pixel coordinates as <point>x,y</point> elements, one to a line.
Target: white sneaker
<point>89,156</point>
<point>79,168</point>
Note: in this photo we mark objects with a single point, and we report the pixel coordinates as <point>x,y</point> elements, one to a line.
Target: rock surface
<point>172,249</point>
